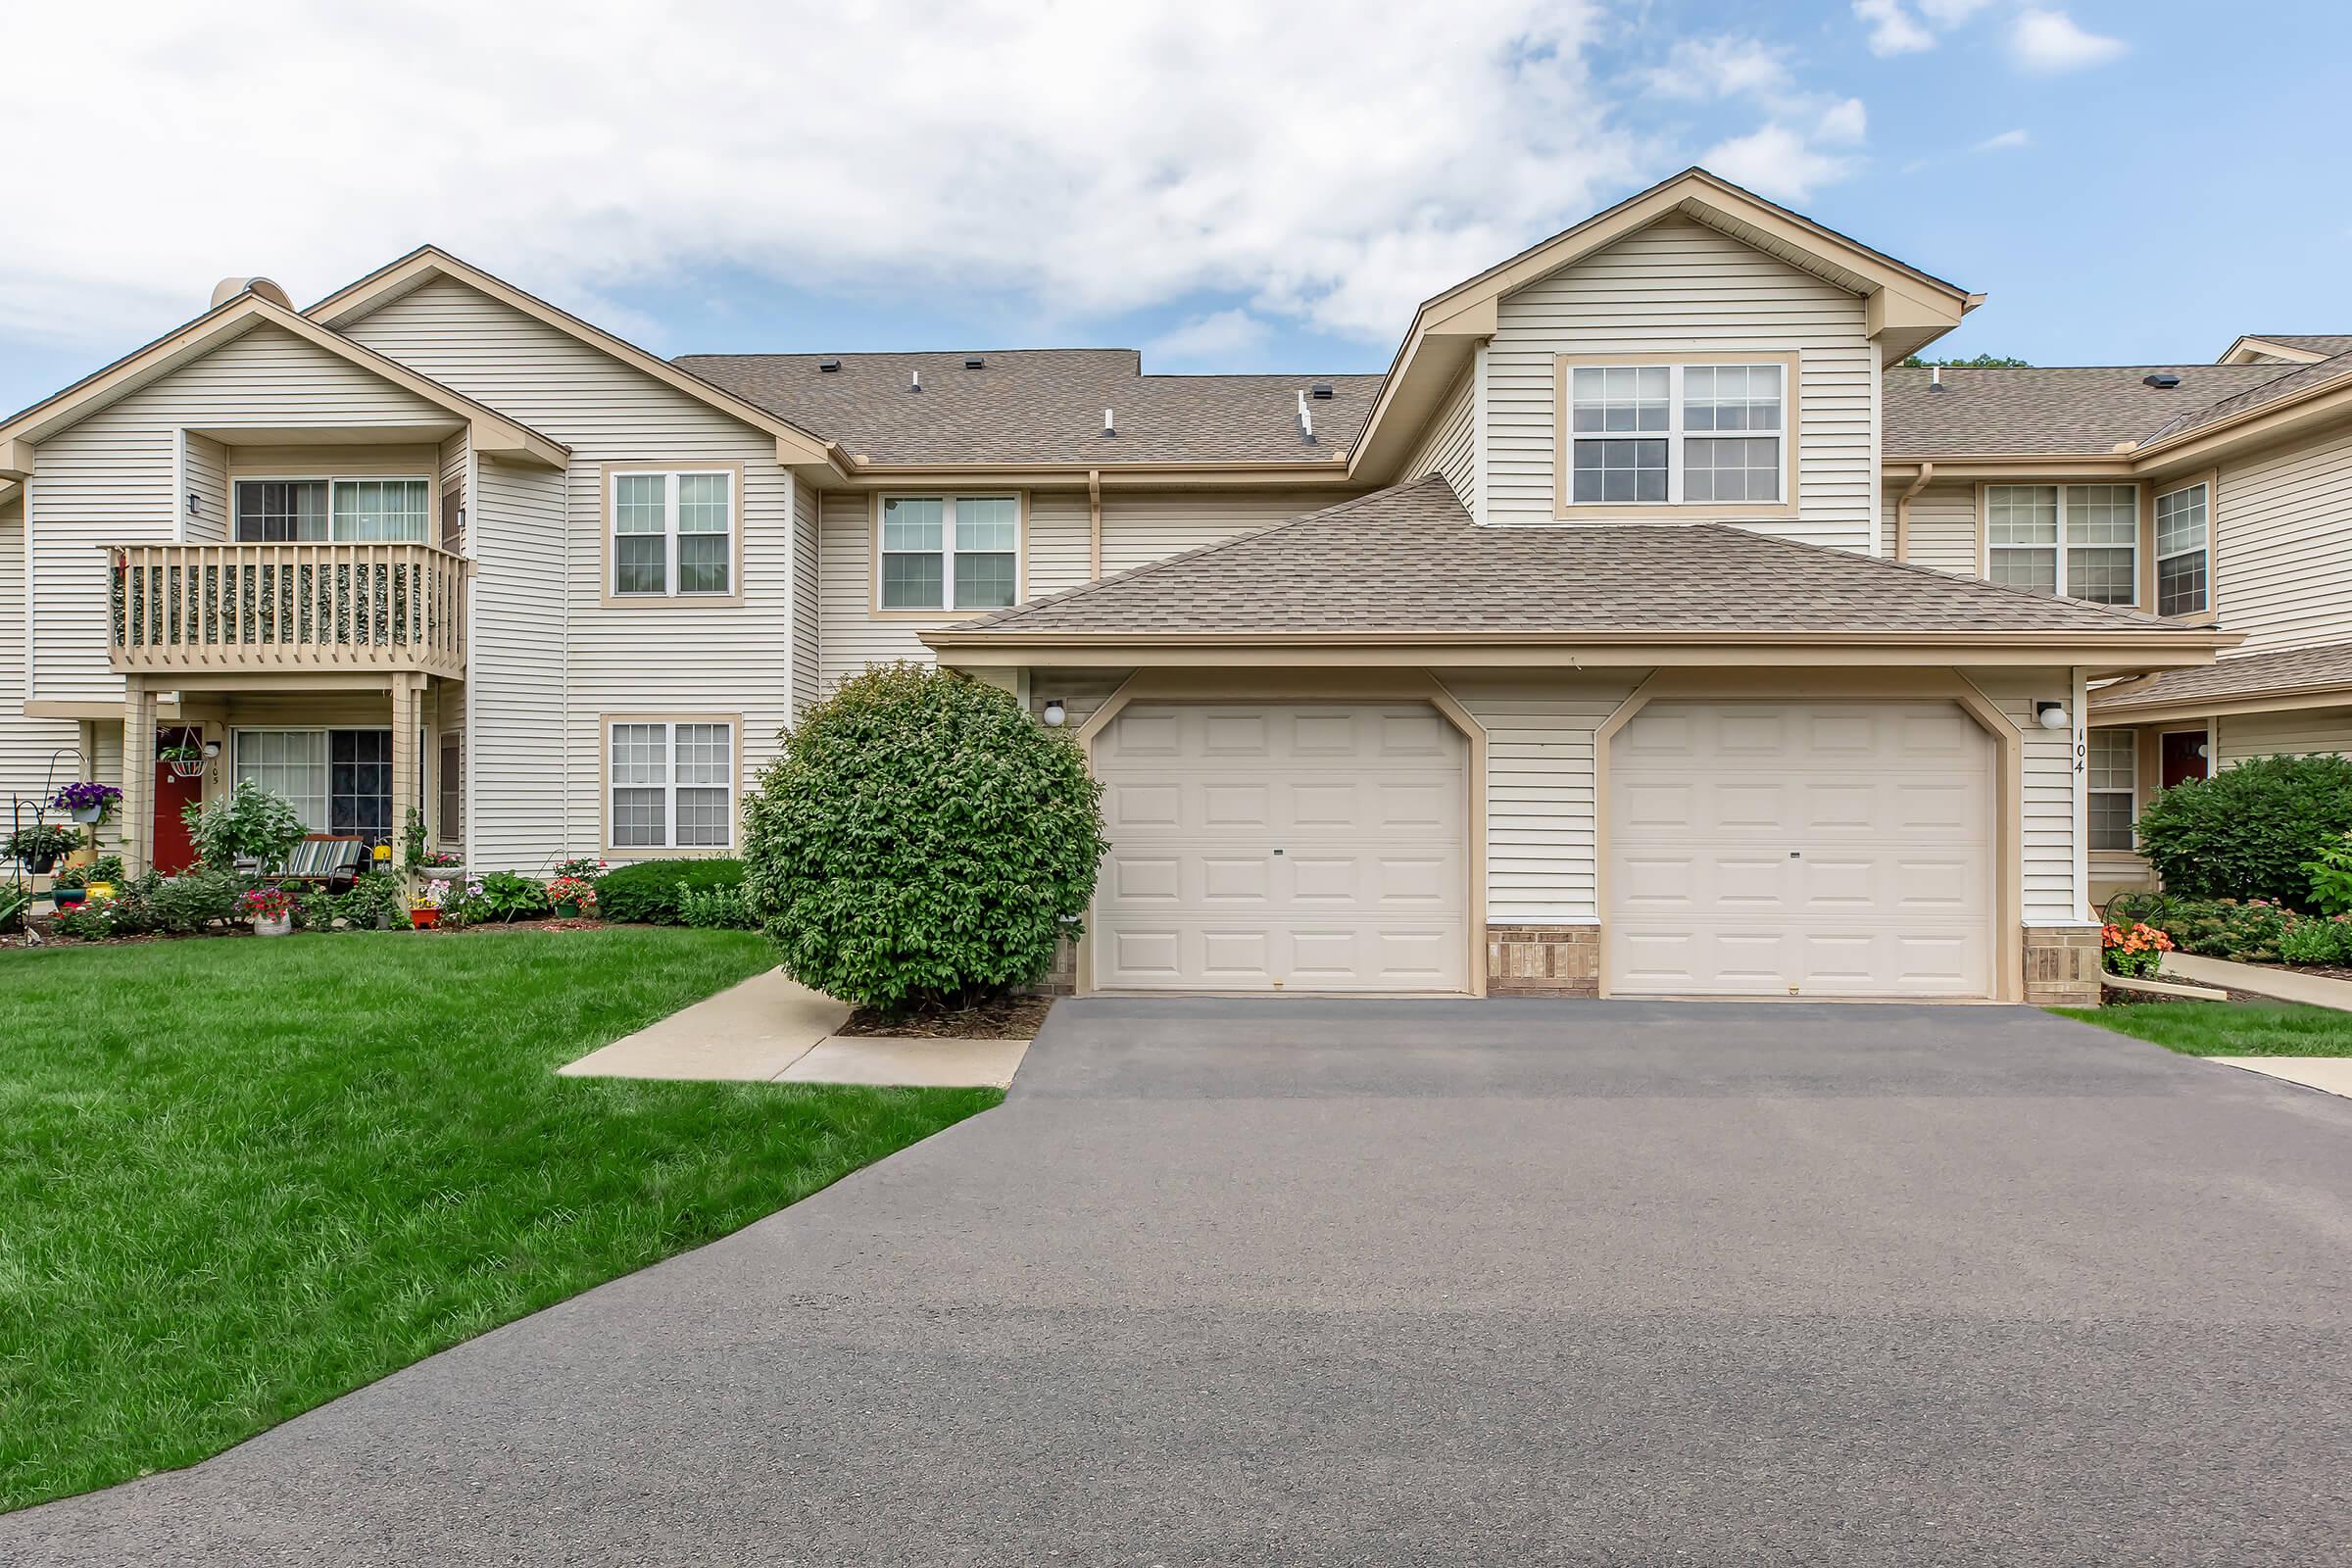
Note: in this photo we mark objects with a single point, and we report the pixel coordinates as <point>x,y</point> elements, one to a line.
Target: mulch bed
<point>1005,1019</point>
<point>51,937</point>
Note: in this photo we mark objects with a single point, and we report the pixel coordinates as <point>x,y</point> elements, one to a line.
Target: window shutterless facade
<point>392,511</point>
<point>2113,776</point>
<point>949,553</point>
<point>1676,434</point>
<point>2077,541</point>
<point>670,782</point>
<point>2183,550</point>
<point>338,780</point>
<point>671,534</point>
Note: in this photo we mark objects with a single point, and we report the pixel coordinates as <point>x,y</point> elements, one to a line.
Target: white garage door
<point>1291,847</point>
<point>1806,849</point>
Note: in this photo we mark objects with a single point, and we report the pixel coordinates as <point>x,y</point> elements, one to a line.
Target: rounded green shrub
<point>652,892</point>
<point>2246,832</point>
<point>921,841</point>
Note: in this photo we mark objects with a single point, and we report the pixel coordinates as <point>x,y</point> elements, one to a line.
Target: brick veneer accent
<point>1543,961</point>
<point>2062,967</point>
<point>1062,980</point>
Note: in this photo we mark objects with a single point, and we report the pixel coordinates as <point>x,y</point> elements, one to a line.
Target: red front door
<point>174,795</point>
<point>2183,756</point>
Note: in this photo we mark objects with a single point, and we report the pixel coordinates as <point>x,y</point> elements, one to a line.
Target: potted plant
<point>187,761</point>
<point>66,887</point>
<point>103,875</point>
<point>87,802</point>
<point>271,910</point>
<point>572,897</point>
<point>424,910</point>
<point>40,846</point>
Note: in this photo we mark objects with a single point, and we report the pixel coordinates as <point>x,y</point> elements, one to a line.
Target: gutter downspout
<point>1094,523</point>
<point>1902,512</point>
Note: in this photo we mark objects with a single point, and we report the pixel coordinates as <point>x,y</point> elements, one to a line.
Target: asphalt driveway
<point>1420,1283</point>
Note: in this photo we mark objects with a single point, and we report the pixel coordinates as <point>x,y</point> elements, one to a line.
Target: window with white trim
<point>2077,541</point>
<point>951,552</point>
<point>674,533</point>
<point>2113,777</point>
<point>672,784</point>
<point>2181,551</point>
<point>1648,435</point>
<point>392,511</point>
<point>338,780</point>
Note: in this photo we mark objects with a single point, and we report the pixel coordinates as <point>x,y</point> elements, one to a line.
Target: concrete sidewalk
<point>2262,979</point>
<point>2331,1074</point>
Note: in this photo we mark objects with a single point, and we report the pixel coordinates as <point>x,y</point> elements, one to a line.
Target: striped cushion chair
<point>332,859</point>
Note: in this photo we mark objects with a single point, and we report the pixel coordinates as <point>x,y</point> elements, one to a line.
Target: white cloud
<point>1778,161</point>
<point>2003,142</point>
<point>2049,40</point>
<point>1950,13</point>
<point>1216,339</point>
<point>1892,29</point>
<point>1725,67</point>
<point>1083,162</point>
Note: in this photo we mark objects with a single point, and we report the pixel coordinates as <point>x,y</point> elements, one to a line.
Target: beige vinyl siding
<point>1059,541</point>
<point>1141,526</point>
<point>1943,529</point>
<point>1081,692</point>
<point>204,474</point>
<point>853,636</point>
<point>2283,523</point>
<point>1675,287</point>
<point>2049,793</point>
<point>453,467</point>
<point>807,617</point>
<point>26,743</point>
<point>2298,733</point>
<point>659,657</point>
<point>1541,840</point>
<point>110,478</point>
<point>520,776</point>
<point>1450,447</point>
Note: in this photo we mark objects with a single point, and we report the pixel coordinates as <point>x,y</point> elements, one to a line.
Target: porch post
<point>404,758</point>
<point>138,774</point>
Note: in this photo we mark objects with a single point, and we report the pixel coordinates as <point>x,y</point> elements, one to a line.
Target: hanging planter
<point>87,802</point>
<point>40,846</point>
<point>188,761</point>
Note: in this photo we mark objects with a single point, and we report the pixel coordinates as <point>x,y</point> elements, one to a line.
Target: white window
<point>344,510</point>
<point>2114,777</point>
<point>2181,551</point>
<point>672,784</point>
<point>951,552</point>
<point>1648,435</point>
<point>673,534</point>
<point>2078,540</point>
<point>338,780</point>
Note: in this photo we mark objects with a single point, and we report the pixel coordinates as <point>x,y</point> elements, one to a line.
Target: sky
<point>1228,186</point>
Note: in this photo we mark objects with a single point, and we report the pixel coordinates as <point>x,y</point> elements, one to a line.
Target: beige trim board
<point>2007,918</point>
<point>604,789</point>
<point>2105,717</point>
<point>1315,686</point>
<point>607,599</point>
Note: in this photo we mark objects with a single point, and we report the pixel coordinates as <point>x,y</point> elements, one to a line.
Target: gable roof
<point>2313,672</point>
<point>2084,410</point>
<point>426,263</point>
<point>1043,406</point>
<point>490,431</point>
<point>1407,565</point>
<point>2304,347</point>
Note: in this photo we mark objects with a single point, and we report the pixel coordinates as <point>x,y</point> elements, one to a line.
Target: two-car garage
<point>1744,847</point>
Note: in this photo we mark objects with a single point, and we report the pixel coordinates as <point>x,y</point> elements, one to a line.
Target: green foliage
<point>2248,831</point>
<point>69,876</point>
<point>88,922</point>
<point>195,901</point>
<point>2316,941</point>
<point>249,822</point>
<point>715,909</point>
<point>2330,874</point>
<point>133,911</point>
<point>648,892</point>
<point>921,841</point>
<point>505,896</point>
<point>44,841</point>
<point>2223,928</point>
<point>1983,361</point>
<point>107,869</point>
<point>412,840</point>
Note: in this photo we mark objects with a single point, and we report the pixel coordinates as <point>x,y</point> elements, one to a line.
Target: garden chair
<point>332,859</point>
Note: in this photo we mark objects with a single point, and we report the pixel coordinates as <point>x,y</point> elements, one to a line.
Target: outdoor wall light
<point>2053,715</point>
<point>1057,716</point>
<point>212,749</point>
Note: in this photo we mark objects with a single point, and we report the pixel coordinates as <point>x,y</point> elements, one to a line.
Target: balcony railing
<point>293,606</point>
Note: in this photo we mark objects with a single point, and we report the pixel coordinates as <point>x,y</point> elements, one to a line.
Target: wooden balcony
<point>288,607</point>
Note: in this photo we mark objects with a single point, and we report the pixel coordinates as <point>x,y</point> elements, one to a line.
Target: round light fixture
<point>2053,715</point>
<point>1057,716</point>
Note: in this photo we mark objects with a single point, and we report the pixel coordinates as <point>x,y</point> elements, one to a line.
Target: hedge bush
<point>921,841</point>
<point>647,891</point>
<point>2246,832</point>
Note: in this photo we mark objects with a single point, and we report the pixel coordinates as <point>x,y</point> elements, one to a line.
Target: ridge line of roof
<point>2179,423</point>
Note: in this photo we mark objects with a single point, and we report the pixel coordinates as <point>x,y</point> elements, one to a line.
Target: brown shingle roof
<point>2328,343</point>
<point>2293,670</point>
<point>2302,378</point>
<point>2068,410</point>
<point>1043,406</point>
<point>1409,559</point>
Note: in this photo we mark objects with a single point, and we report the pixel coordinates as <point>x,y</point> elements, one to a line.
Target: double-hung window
<point>2182,547</point>
<point>1655,436</point>
<point>671,783</point>
<point>2113,767</point>
<point>338,780</point>
<point>341,510</point>
<point>2081,541</point>
<point>950,551</point>
<point>674,533</point>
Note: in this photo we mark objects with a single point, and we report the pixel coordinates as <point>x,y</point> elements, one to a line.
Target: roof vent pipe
<point>1935,377</point>
<point>1306,418</point>
<point>1111,426</point>
<point>914,381</point>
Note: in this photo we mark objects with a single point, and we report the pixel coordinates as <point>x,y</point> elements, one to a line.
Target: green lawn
<point>238,1178</point>
<point>2229,1028</point>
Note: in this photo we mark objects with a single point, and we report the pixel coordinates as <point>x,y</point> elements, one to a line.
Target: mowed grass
<point>238,1178</point>
<point>2229,1028</point>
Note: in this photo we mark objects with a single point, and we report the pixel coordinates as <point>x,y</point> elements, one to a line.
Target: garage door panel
<point>1833,848</point>
<point>1317,847</point>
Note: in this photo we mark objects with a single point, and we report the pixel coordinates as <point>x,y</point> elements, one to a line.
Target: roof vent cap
<point>914,381</point>
<point>1320,391</point>
<point>262,289</point>
<point>828,366</point>
<point>2162,381</point>
<point>1111,426</point>
<point>1935,377</point>
<point>975,362</point>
